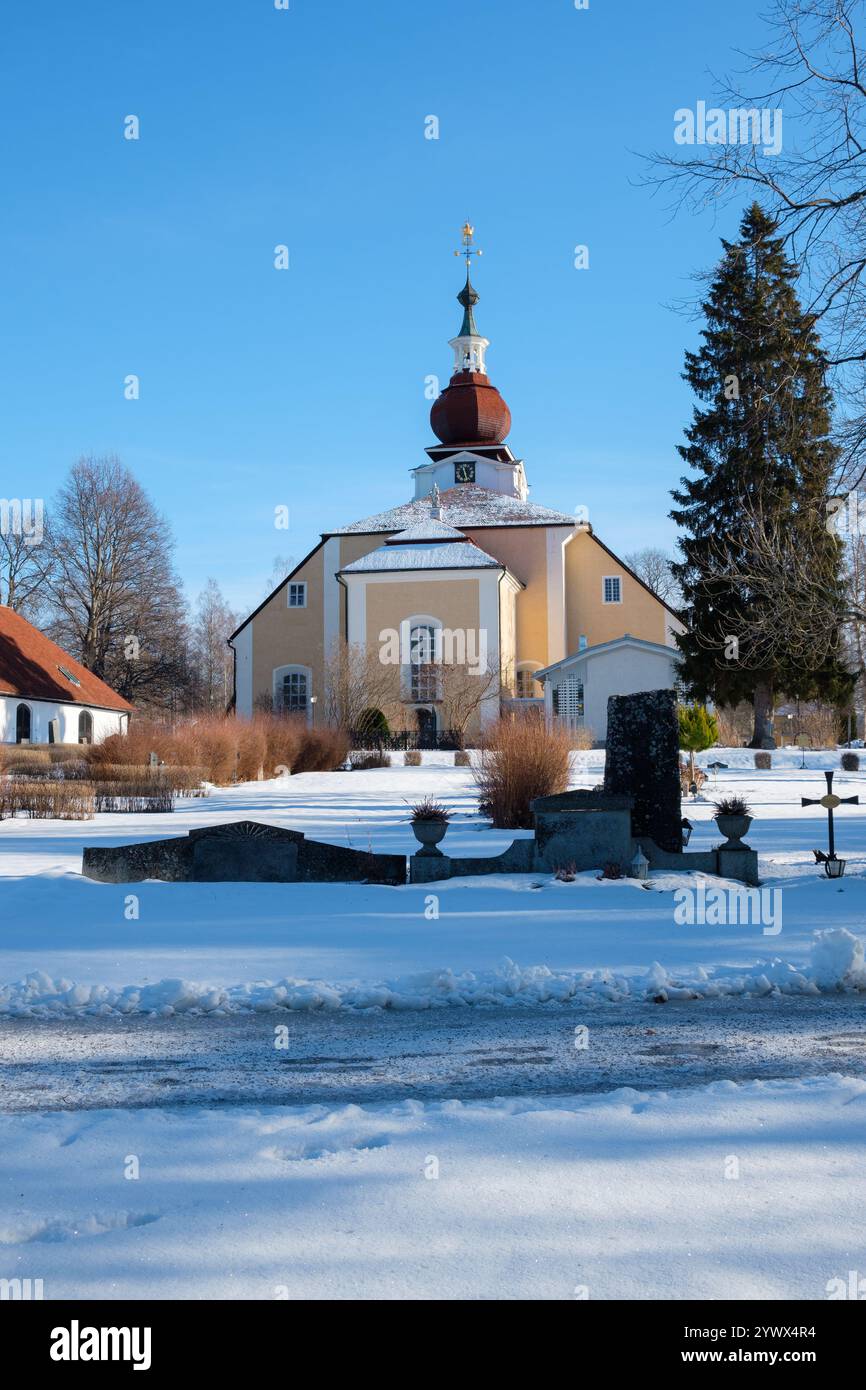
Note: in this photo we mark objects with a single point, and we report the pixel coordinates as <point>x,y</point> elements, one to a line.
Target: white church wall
<point>243,645</point>
<point>621,671</point>
<point>42,712</point>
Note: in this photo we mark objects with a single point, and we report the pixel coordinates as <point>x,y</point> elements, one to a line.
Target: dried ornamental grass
<point>521,759</point>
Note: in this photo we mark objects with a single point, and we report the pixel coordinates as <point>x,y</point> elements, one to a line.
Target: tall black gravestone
<point>643,761</point>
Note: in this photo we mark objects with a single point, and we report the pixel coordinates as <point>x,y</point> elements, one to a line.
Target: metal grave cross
<point>833,867</point>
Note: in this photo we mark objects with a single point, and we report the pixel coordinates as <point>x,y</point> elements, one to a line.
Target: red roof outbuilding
<point>33,667</point>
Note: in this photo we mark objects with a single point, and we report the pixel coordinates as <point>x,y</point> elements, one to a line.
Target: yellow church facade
<point>440,611</point>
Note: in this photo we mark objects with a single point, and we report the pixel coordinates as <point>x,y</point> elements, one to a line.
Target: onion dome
<point>470,411</point>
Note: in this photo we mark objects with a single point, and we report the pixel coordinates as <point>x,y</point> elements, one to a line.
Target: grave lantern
<point>640,866</point>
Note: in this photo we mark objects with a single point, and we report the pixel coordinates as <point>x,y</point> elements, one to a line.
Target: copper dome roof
<point>470,411</point>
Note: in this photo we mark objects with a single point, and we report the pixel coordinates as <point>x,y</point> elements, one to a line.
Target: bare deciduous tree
<point>815,185</point>
<point>462,692</point>
<point>25,572</point>
<point>653,566</point>
<point>795,611</point>
<point>114,598</point>
<point>210,653</point>
<point>356,680</point>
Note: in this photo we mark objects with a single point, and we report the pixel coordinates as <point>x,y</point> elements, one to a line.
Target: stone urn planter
<point>429,833</point>
<point>733,827</point>
<point>429,824</point>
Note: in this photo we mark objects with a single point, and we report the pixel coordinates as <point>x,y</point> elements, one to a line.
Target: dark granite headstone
<point>245,852</point>
<point>643,761</point>
<point>583,830</point>
<point>242,852</point>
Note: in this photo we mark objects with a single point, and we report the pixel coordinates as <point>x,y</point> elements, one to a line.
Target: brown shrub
<point>763,761</point>
<point>47,799</point>
<point>462,758</point>
<point>362,762</point>
<point>16,758</point>
<point>521,759</point>
<point>213,745</point>
<point>67,752</point>
<point>252,749</point>
<point>321,750</point>
<point>135,794</point>
<point>412,757</point>
<point>850,762</point>
<point>283,737</point>
<point>133,749</point>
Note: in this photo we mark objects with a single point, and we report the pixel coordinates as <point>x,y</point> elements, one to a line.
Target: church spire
<point>469,346</point>
<point>470,411</point>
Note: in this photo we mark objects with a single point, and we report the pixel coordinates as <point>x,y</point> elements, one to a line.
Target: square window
<point>612,588</point>
<point>297,595</point>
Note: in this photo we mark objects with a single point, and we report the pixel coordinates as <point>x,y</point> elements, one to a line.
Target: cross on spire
<point>833,867</point>
<point>468,250</point>
<point>469,346</point>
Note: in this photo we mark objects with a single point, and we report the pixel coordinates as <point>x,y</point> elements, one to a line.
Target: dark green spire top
<point>468,297</point>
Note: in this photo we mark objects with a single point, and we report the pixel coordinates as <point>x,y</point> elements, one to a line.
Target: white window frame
<point>301,587</point>
<point>292,669</point>
<point>611,579</point>
<point>415,697</point>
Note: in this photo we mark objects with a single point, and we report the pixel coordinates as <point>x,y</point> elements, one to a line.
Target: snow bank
<point>837,963</point>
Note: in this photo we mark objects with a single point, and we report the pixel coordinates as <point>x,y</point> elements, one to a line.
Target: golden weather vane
<point>468,250</point>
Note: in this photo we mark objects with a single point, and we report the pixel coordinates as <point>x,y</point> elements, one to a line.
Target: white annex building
<point>577,688</point>
<point>48,697</point>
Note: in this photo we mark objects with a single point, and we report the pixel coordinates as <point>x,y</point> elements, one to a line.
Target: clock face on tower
<point>464,472</point>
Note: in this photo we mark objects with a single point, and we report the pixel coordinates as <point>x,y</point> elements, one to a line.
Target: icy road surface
<point>469,1054</point>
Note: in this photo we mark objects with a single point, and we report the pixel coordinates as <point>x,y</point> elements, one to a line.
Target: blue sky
<point>305,388</point>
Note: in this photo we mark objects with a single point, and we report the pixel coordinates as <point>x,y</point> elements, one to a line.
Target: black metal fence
<point>403,740</point>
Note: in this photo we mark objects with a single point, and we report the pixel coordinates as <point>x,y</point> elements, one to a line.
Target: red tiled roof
<point>30,668</point>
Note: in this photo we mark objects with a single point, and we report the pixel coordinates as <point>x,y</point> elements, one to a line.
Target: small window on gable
<point>297,595</point>
<point>612,588</point>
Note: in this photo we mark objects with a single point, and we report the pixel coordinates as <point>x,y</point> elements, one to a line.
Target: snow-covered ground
<point>745,1192</point>
<point>624,1194</point>
<point>214,943</point>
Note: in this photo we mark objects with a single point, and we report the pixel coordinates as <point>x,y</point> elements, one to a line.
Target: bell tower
<point>469,418</point>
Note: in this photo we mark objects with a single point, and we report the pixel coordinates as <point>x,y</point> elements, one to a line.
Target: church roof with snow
<point>428,544</point>
<point>465,505</point>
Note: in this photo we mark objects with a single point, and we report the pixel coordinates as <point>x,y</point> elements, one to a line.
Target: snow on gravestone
<point>643,761</point>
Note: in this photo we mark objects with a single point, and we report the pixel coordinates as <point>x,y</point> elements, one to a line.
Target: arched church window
<point>23,724</point>
<point>295,692</point>
<point>423,662</point>
<point>528,688</point>
<point>85,727</point>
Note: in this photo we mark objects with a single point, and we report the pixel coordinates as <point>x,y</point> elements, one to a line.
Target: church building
<point>466,581</point>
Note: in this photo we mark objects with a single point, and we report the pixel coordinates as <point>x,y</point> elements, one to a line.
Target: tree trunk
<point>762,700</point>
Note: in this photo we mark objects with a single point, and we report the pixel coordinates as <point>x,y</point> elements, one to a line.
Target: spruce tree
<point>757,442</point>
